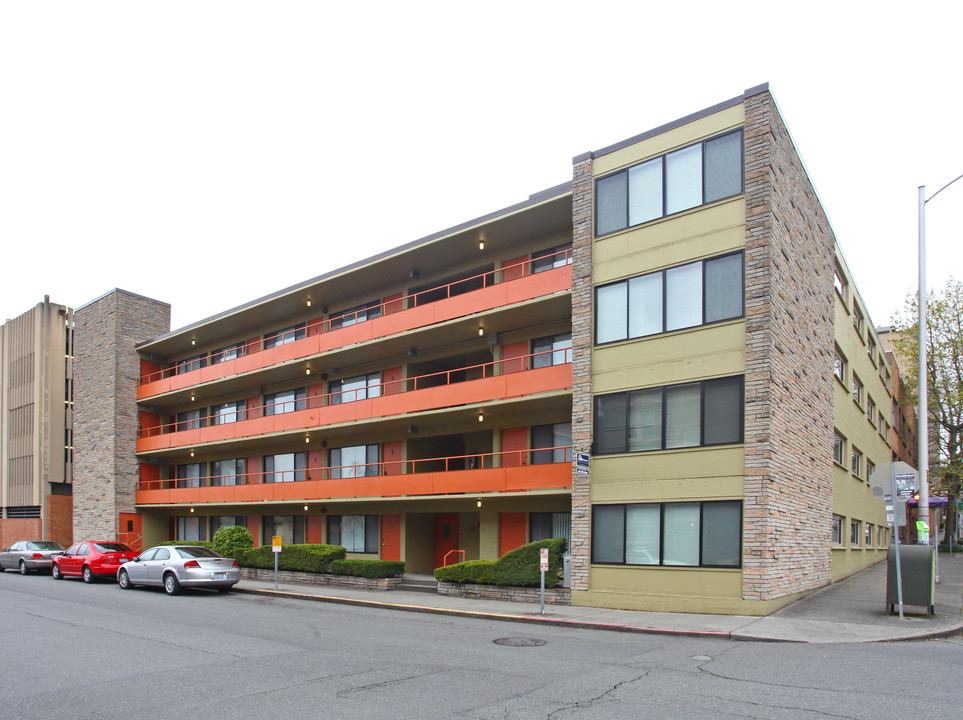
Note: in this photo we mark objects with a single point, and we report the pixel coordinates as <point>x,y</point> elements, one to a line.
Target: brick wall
<point>15,529</point>
<point>582,189</point>
<point>60,519</point>
<point>106,369</point>
<point>789,380</point>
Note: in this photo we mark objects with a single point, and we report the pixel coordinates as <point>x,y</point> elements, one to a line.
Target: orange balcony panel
<point>154,443</point>
<point>462,482</point>
<point>155,387</point>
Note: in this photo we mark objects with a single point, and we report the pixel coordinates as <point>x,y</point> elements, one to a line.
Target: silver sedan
<point>178,566</point>
<point>27,555</point>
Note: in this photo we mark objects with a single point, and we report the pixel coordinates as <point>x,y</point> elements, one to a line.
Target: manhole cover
<point>519,642</point>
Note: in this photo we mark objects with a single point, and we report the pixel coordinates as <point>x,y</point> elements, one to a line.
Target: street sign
<point>276,543</point>
<point>543,559</point>
<point>881,481</point>
<point>905,485</point>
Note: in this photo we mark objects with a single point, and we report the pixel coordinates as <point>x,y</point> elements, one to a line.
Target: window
<point>228,472</point>
<point>857,461</point>
<point>702,413</point>
<point>190,527</point>
<point>854,533</point>
<point>231,352</point>
<point>839,366</point>
<point>359,387</point>
<point>289,527</point>
<point>685,178</point>
<point>284,402</point>
<point>698,293</point>
<point>355,315</point>
<point>552,350</point>
<point>857,318</point>
<point>552,258</point>
<point>194,363</point>
<point>355,533</point>
<point>190,475</point>
<point>221,521</point>
<point>857,390</point>
<point>548,525</point>
<point>191,420</point>
<point>839,449</point>
<point>869,535</point>
<point>355,461</point>
<point>839,281</point>
<point>870,469</point>
<point>871,348</point>
<point>557,441</point>
<point>690,534</point>
<point>287,467</point>
<point>228,412</point>
<point>837,530</point>
<point>284,336</point>
<point>870,410</point>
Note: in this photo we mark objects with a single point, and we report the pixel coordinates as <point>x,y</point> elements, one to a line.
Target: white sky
<point>208,153</point>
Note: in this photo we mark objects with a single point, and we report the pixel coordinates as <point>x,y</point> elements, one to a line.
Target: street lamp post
<point>923,419</point>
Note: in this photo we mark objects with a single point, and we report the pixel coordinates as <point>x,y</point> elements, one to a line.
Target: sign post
<point>543,566</point>
<point>276,548</point>
<point>895,483</point>
<point>895,526</point>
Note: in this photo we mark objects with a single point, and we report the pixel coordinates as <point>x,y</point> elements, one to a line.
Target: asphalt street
<point>97,652</point>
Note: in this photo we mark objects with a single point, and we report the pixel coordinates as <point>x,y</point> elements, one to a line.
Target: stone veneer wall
<point>582,191</point>
<point>789,372</point>
<point>106,370</point>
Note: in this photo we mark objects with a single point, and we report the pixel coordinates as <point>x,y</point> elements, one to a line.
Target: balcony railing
<point>343,321</point>
<point>388,388</point>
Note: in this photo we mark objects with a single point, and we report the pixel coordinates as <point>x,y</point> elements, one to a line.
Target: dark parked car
<point>90,560</point>
<point>176,566</point>
<point>28,555</point>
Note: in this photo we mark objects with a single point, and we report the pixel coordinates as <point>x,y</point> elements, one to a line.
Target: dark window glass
<point>722,423</point>
<point>610,423</point>
<point>611,203</point>
<point>285,336</point>
<point>608,533</point>
<point>724,288</point>
<point>556,438</point>
<point>723,167</point>
<point>552,350</point>
<point>552,258</point>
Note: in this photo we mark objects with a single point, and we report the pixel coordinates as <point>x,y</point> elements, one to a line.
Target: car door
<point>137,571</point>
<point>68,560</point>
<point>155,567</point>
<point>9,558</point>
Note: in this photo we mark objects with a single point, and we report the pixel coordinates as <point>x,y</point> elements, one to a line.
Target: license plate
<point>219,576</point>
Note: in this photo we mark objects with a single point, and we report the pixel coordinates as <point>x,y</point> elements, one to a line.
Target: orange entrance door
<point>130,530</point>
<point>446,538</point>
<point>391,537</point>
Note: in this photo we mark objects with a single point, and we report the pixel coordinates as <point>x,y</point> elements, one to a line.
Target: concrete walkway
<point>852,610</point>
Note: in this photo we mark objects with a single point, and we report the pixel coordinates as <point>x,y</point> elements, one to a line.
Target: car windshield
<point>44,545</point>
<point>111,547</point>
<point>196,552</point>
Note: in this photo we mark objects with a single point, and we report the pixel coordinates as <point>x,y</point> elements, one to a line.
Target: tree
<point>944,378</point>
<point>228,540</point>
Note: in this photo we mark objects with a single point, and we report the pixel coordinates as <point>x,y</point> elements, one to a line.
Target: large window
<point>190,528</point>
<point>355,461</point>
<point>289,527</point>
<point>839,448</point>
<point>547,525</point>
<point>701,413</point>
<point>195,363</point>
<point>691,534</point>
<point>698,293</point>
<point>552,258</point>
<point>191,420</point>
<point>837,530</point>
<point>557,441</point>
<point>222,521</point>
<point>284,402</point>
<point>286,467</point>
<point>190,475</point>
<point>230,352</point>
<point>552,350</point>
<point>228,412</point>
<point>355,315</point>
<point>228,472</point>
<point>355,533</point>
<point>359,387</point>
<point>686,178</point>
<point>284,336</point>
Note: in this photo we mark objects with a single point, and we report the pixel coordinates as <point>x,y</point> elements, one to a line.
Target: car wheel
<point>23,568</point>
<point>55,571</point>
<point>226,588</point>
<point>87,575</point>
<point>171,585</point>
<point>124,580</point>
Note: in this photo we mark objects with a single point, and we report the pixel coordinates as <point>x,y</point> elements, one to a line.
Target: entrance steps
<point>415,582</point>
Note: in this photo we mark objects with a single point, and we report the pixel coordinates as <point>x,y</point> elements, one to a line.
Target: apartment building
<point>664,360</point>
<point>36,425</point>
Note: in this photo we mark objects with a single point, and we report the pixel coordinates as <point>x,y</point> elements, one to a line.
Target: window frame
<point>371,532</point>
<point>271,406</point>
<point>371,388</point>
<point>276,338</point>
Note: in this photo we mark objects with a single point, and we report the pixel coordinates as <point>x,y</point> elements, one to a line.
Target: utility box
<point>918,569</point>
<point>566,571</point>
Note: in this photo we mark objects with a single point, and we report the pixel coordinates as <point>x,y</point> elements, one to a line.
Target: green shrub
<point>481,572</point>
<point>368,568</point>
<point>229,539</point>
<point>521,566</point>
<point>945,548</point>
<point>303,558</point>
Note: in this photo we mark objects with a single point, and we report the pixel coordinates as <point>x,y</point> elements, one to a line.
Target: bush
<point>945,548</point>
<point>368,568</point>
<point>303,558</point>
<point>481,572</point>
<point>228,540</point>
<point>520,567</point>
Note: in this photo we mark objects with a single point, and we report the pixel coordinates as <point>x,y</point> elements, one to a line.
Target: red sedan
<point>90,560</point>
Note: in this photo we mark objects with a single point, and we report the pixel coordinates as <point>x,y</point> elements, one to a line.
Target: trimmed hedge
<point>480,572</point>
<point>519,567</point>
<point>368,568</point>
<point>303,558</point>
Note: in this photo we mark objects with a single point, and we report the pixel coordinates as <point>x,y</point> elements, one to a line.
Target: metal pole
<point>899,577</point>
<point>923,416</point>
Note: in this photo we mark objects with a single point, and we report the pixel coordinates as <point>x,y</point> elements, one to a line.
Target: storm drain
<point>519,642</point>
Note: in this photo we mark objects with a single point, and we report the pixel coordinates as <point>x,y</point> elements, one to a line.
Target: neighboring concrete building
<point>35,425</point>
<point>669,315</point>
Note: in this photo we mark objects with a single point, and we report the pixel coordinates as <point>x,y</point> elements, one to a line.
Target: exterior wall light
<point>307,439</point>
<point>307,371</point>
<point>478,502</point>
<point>193,341</point>
<point>481,244</point>
<point>192,509</point>
<point>308,302</point>
<point>305,508</point>
<point>481,416</point>
<point>481,331</point>
<point>192,455</point>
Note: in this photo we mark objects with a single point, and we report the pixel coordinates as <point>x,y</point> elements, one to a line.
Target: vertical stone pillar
<point>106,371</point>
<point>582,193</point>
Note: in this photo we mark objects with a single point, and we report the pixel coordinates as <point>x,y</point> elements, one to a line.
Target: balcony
<point>469,474</point>
<point>506,286</point>
<point>515,378</point>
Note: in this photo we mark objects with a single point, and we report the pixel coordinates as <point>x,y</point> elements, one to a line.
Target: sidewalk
<point>852,610</point>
